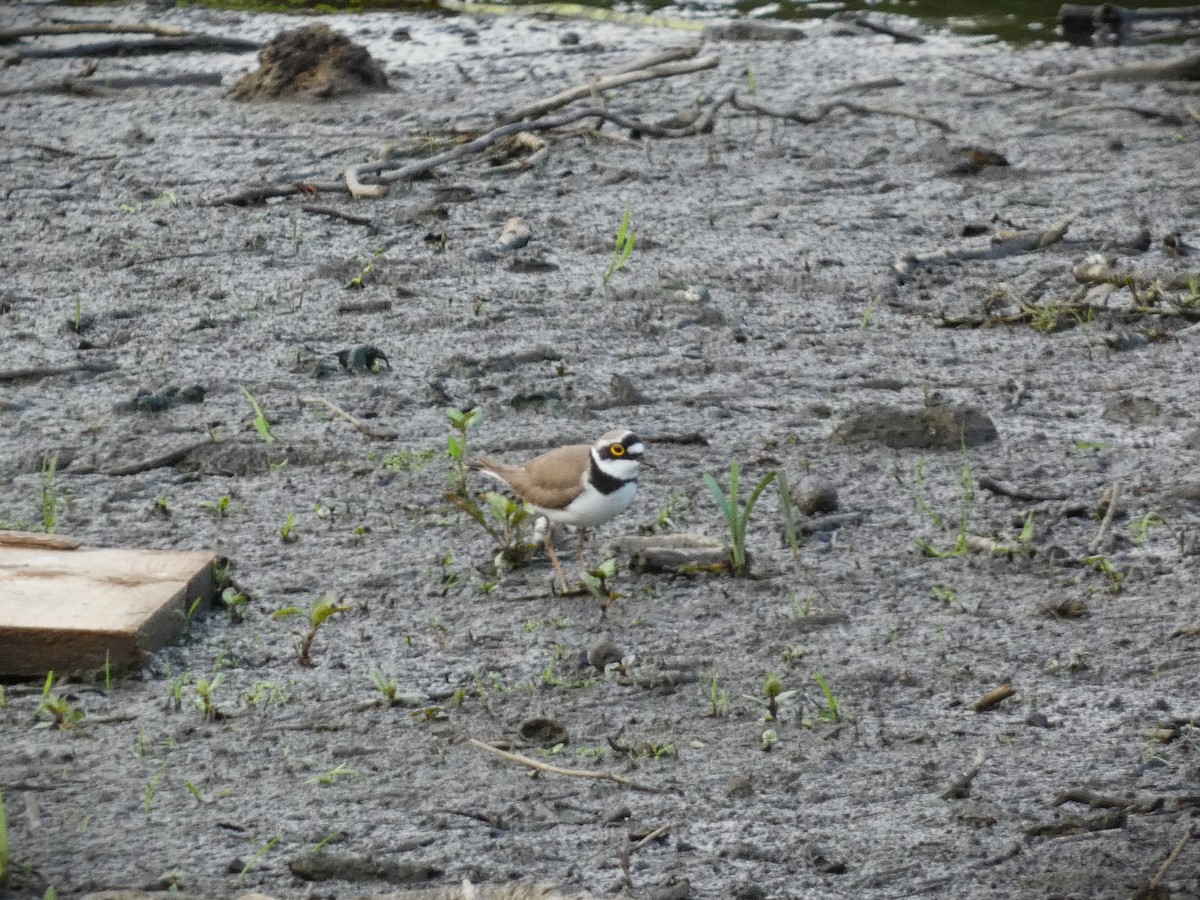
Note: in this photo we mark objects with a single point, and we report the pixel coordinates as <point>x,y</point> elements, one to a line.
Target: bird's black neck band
<point>605,483</point>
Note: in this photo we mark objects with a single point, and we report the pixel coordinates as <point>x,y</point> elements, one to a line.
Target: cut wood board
<point>65,607</point>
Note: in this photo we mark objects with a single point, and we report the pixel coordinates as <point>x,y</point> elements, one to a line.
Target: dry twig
<point>993,697</point>
<point>1114,494</point>
<point>960,787</point>
<point>383,434</point>
<point>608,82</point>
<point>520,760</point>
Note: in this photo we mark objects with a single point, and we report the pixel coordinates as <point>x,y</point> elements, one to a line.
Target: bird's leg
<point>582,543</point>
<point>562,578</point>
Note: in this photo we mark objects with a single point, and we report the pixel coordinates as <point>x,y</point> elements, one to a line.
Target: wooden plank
<point>66,607</point>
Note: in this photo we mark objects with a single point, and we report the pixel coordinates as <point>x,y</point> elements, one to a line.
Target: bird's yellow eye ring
<point>616,450</point>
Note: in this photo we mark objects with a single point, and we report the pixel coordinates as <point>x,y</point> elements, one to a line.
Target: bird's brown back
<point>551,480</point>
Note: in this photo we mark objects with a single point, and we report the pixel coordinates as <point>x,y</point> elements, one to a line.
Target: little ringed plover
<point>577,485</point>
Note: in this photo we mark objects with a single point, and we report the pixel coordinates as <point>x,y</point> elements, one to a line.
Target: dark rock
<point>815,495</point>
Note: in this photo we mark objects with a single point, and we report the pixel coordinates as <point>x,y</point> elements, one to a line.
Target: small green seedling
<point>218,507</point>
<point>52,501</point>
<point>596,581</point>
<point>456,447</point>
<point>151,789</point>
<point>317,615</point>
<point>718,697</point>
<point>258,854</point>
<point>623,249</point>
<point>751,81</point>
<point>261,424</point>
<point>775,695</point>
<point>768,740</point>
<point>340,771</point>
<point>831,712</point>
<point>234,600</point>
<point>503,518</point>
<point>386,685</point>
<point>287,533</point>
<point>206,702</point>
<point>737,517</point>
<point>62,715</point>
<point>357,282</point>
<point>1141,528</point>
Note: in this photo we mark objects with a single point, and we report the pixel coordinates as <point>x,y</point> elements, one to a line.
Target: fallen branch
<point>998,487</point>
<point>960,787</point>
<point>383,434</point>
<point>993,698</point>
<point>1092,800</point>
<point>520,760</point>
<point>807,118</point>
<point>420,167</point>
<point>263,193</point>
<point>1114,494</point>
<point>338,214</point>
<point>206,42</point>
<point>161,461</point>
<point>1167,118</point>
<point>98,87</point>
<point>8,35</point>
<point>1186,69</point>
<point>36,373</point>
<point>1152,887</point>
<point>1002,245</point>
<point>608,82</point>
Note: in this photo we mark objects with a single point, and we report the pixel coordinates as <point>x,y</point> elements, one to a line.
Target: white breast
<point>593,508</point>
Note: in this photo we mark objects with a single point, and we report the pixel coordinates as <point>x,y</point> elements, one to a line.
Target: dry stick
<point>604,83</point>
<point>208,42</point>
<point>1000,247</point>
<point>100,87</point>
<point>805,118</point>
<point>1186,69</point>
<point>38,372</point>
<point>960,787</point>
<point>382,434</point>
<point>998,487</point>
<point>656,59</point>
<point>1167,118</point>
<point>1162,870</point>
<point>993,697</point>
<point>1114,493</point>
<point>266,192</point>
<point>337,214</point>
<point>652,836</point>
<point>161,461</point>
<point>8,35</point>
<point>420,167</point>
<point>520,760</point>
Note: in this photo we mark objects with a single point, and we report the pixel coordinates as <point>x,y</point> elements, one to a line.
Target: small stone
<point>603,652</point>
<point>747,890</point>
<point>739,787</point>
<point>814,496</point>
<point>620,814</point>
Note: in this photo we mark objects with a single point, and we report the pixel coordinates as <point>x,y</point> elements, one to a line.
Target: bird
<point>581,485</point>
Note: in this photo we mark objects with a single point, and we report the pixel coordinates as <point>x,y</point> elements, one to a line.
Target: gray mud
<point>761,312</point>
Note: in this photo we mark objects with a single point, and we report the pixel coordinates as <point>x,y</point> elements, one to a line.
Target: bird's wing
<point>553,479</point>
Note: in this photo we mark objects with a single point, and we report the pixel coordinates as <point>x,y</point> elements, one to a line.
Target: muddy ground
<point>758,315</point>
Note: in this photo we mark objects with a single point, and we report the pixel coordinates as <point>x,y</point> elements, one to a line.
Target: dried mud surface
<point>759,311</point>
